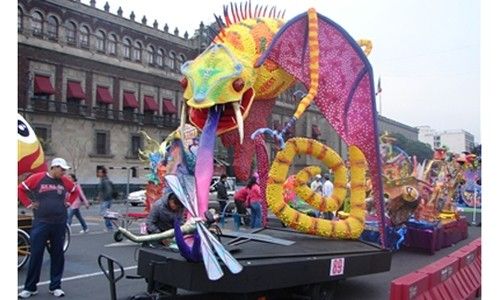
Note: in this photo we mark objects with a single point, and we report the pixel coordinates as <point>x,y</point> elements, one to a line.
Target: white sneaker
<point>26,294</point>
<point>57,292</point>
<point>84,231</point>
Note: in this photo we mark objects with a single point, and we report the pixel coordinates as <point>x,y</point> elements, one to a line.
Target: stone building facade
<point>90,80</point>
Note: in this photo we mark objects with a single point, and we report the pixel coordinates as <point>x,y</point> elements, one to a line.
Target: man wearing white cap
<point>48,191</point>
<point>316,185</point>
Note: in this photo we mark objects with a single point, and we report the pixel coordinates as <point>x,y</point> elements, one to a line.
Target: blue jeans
<point>76,212</point>
<point>40,233</point>
<point>256,217</point>
<point>104,206</point>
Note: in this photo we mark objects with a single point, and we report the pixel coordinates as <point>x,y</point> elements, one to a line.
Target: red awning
<point>129,100</point>
<point>103,95</point>
<point>168,107</point>
<point>75,90</point>
<point>150,103</point>
<point>43,85</point>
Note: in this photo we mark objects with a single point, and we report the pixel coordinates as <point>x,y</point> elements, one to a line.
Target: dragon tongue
<point>239,120</point>
<point>204,168</point>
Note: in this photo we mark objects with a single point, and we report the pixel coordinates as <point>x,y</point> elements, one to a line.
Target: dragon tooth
<point>239,120</point>
<point>183,121</point>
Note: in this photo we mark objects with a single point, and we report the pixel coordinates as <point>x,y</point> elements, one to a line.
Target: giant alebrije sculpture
<point>30,157</point>
<point>231,87</point>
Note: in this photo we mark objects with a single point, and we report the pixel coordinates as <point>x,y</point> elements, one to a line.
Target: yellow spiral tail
<point>349,228</point>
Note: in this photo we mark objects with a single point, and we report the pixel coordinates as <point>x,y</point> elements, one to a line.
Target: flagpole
<point>380,103</point>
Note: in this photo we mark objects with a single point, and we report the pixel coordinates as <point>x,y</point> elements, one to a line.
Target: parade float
<point>229,92</point>
<point>421,198</point>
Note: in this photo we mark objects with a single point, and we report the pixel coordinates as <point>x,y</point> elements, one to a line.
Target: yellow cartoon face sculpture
<point>30,157</point>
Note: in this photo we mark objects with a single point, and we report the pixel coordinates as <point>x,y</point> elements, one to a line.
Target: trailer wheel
<point>118,236</point>
<point>322,291</point>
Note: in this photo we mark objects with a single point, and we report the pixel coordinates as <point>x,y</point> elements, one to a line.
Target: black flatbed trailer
<point>311,261</point>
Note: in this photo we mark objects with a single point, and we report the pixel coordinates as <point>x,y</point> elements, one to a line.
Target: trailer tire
<point>118,236</point>
<point>322,291</point>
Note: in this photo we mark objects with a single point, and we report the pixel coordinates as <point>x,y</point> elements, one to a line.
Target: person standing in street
<point>105,195</point>
<point>222,196</point>
<point>48,191</point>
<point>74,210</point>
<point>327,193</point>
<point>254,197</point>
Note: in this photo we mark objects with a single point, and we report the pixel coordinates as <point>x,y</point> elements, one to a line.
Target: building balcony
<point>75,109</point>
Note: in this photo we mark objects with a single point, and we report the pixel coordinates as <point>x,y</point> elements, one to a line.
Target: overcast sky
<point>425,51</point>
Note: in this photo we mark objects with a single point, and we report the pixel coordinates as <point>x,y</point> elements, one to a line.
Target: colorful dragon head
<point>225,74</point>
<point>30,157</point>
<point>219,77</point>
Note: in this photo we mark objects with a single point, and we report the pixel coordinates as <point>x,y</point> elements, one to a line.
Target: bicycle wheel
<point>67,239</point>
<point>23,248</point>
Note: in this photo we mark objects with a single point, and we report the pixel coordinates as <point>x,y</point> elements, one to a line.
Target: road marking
<point>88,223</point>
<point>79,277</point>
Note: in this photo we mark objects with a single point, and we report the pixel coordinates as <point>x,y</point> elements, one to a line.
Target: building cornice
<point>94,12</point>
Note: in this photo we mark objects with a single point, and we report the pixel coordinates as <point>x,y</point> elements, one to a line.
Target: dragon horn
<point>265,10</point>
<point>237,12</point>
<point>283,14</point>
<point>226,15</point>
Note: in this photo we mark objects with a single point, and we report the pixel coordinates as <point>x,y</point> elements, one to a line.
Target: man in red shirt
<point>48,201</point>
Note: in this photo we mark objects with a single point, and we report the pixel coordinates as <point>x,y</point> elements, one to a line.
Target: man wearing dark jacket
<point>222,196</point>
<point>163,214</point>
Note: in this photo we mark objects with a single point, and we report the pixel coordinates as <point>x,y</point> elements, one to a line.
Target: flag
<point>379,87</point>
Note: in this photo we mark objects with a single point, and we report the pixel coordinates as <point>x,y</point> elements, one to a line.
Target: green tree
<point>413,148</point>
<point>477,150</point>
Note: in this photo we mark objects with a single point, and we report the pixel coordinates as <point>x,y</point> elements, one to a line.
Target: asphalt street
<point>83,279</point>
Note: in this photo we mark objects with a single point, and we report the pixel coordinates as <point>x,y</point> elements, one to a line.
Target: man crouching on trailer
<point>164,213</point>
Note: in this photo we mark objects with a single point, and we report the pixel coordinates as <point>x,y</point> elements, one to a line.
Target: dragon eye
<point>184,83</point>
<point>238,84</point>
<point>25,133</point>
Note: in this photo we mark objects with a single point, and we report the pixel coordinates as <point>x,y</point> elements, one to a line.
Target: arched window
<point>151,53</point>
<point>159,58</point>
<point>112,44</point>
<point>84,37</point>
<point>171,60</point>
<point>100,41</point>
<point>36,23</point>
<point>71,33</point>
<point>52,27</point>
<point>180,60</point>
<point>126,48</point>
<point>19,19</point>
<point>137,51</point>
